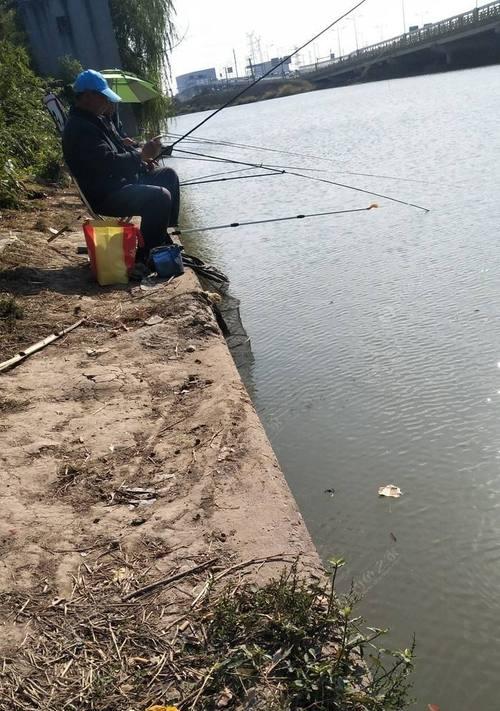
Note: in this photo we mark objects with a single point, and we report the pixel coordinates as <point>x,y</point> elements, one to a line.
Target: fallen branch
<point>277,558</point>
<point>66,228</point>
<point>170,579</point>
<point>20,357</point>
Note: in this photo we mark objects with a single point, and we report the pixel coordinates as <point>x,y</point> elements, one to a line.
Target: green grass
<point>10,309</point>
<point>294,645</point>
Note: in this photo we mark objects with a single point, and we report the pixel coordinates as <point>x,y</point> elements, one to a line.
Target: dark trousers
<point>156,198</point>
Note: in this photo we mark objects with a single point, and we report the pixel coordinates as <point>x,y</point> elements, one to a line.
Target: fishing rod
<point>275,219</point>
<point>247,146</point>
<point>359,190</point>
<point>225,180</point>
<point>286,60</point>
<point>220,159</point>
<point>316,178</point>
<point>166,151</point>
<point>216,175</point>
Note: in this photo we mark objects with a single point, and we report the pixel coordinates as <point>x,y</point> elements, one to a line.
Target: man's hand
<point>129,142</point>
<point>151,150</point>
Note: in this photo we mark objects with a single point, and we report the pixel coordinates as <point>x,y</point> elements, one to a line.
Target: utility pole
<point>235,63</point>
<point>356,33</point>
<point>258,43</point>
<point>251,46</point>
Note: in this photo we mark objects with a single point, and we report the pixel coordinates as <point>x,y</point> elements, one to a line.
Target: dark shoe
<point>139,271</point>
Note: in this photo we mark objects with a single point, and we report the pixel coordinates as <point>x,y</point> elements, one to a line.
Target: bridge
<point>466,40</point>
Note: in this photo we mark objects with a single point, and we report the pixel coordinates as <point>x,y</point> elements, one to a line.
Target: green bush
<point>29,147</point>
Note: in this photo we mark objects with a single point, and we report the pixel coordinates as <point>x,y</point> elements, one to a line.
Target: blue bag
<point>167,261</point>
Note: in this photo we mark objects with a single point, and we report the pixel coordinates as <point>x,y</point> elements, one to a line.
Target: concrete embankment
<point>123,435</point>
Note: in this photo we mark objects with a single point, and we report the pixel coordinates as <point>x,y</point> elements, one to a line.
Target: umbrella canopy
<point>130,88</point>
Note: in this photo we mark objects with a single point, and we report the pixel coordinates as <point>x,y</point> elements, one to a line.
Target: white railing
<point>458,23</point>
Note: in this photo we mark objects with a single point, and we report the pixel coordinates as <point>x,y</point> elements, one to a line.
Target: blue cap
<point>94,81</point>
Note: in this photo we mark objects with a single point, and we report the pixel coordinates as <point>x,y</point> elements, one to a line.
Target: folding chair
<point>59,116</point>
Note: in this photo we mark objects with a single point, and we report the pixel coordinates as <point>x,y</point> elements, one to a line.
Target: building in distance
<point>258,70</point>
<point>192,83</point>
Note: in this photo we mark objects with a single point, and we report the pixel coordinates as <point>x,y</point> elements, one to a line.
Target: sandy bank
<point>118,405</point>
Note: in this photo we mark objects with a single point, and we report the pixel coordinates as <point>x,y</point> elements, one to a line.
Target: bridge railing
<point>453,25</point>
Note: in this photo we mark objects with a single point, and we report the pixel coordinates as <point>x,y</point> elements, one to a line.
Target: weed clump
<point>288,645</point>
<point>10,312</point>
<point>293,645</point>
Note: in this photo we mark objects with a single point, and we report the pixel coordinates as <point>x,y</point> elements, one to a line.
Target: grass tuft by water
<point>294,645</point>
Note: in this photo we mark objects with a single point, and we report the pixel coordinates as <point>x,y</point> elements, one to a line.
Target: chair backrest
<point>59,116</point>
<point>84,199</point>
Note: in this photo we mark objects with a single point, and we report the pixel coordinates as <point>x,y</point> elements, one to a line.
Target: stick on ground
<point>20,357</point>
<point>170,579</point>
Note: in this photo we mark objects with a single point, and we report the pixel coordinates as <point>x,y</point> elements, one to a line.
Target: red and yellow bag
<point>112,246</point>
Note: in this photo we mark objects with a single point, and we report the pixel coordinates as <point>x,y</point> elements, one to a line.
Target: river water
<point>376,347</point>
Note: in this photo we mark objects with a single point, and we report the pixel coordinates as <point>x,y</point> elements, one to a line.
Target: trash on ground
<point>225,698</point>
<point>225,453</point>
<point>154,321</point>
<point>213,297</point>
<point>122,574</point>
<point>330,491</point>
<point>392,491</point>
<point>152,281</point>
<point>96,352</point>
<point>133,496</point>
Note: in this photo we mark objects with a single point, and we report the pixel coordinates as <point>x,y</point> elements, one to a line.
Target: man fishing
<point>117,178</point>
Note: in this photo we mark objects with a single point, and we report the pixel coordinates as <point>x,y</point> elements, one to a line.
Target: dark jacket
<point>99,162</point>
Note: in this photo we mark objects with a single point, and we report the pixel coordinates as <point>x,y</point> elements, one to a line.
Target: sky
<point>211,29</point>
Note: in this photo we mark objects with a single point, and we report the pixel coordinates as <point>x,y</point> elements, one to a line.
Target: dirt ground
<point>122,436</point>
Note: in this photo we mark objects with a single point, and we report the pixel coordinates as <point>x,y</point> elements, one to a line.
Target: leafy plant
<point>10,28</point>
<point>9,308</point>
<point>295,645</point>
<point>28,145</point>
<point>70,68</point>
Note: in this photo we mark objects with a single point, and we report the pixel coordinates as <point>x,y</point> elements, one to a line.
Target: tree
<point>10,28</point>
<point>145,34</point>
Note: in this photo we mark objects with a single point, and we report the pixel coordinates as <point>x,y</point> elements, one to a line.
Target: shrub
<point>28,144</point>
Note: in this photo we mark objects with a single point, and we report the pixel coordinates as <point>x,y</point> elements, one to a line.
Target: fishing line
<point>309,156</point>
<point>249,146</point>
<point>286,60</point>
<point>359,190</point>
<point>275,219</point>
<point>216,175</point>
<point>315,178</point>
<point>218,159</point>
<point>213,159</point>
<point>225,180</point>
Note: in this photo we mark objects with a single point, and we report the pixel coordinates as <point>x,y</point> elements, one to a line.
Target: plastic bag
<point>112,247</point>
